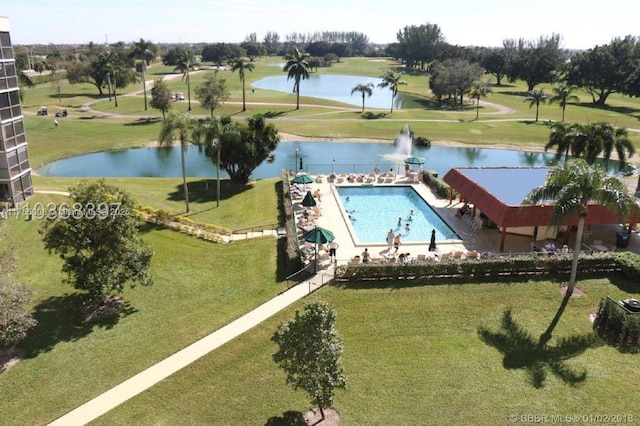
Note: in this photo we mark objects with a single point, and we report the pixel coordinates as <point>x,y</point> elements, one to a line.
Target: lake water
<point>317,157</point>
<point>336,88</point>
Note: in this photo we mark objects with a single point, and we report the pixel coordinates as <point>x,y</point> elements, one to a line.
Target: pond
<point>336,88</point>
<point>316,157</point>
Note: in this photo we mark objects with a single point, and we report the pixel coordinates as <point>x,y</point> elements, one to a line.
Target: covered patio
<point>497,193</point>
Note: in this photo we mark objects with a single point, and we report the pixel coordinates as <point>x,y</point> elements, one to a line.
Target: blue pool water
<point>377,209</point>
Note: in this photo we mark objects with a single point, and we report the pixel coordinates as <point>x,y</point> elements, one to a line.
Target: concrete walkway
<point>144,380</point>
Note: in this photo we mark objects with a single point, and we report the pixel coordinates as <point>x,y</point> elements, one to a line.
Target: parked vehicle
<point>180,96</point>
<point>43,111</point>
<point>61,112</point>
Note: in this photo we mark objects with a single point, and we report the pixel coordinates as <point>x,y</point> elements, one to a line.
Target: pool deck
<point>480,239</point>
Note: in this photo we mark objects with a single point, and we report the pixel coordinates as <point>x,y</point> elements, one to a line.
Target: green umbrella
<point>302,179</point>
<point>413,160</point>
<point>308,200</point>
<point>318,235</point>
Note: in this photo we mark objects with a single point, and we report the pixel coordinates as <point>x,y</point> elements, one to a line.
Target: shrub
<point>618,326</point>
<point>422,141</point>
<point>438,186</point>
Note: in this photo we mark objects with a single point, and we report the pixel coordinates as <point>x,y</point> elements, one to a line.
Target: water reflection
<point>317,157</point>
<point>337,88</point>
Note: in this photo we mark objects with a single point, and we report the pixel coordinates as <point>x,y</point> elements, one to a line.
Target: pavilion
<point>498,193</point>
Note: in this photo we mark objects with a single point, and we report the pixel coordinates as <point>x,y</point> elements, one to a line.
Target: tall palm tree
<point>297,68</point>
<point>563,94</point>
<point>186,62</point>
<point>206,134</point>
<point>571,189</point>
<point>143,52</point>
<point>178,124</point>
<point>241,66</point>
<point>616,139</point>
<point>365,89</point>
<point>560,139</point>
<point>392,80</point>
<point>478,90</point>
<point>536,97</point>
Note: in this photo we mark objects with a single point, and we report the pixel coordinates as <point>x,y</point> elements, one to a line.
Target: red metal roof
<point>505,215</point>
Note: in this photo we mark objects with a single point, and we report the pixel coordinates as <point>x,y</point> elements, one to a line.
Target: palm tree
<point>563,94</point>
<point>242,66</point>
<point>186,62</point>
<point>559,138</point>
<point>365,89</point>
<point>616,139</point>
<point>536,97</point>
<point>206,134</point>
<point>478,90</point>
<point>392,80</point>
<point>571,189</point>
<point>142,51</point>
<point>298,69</point>
<point>180,124</point>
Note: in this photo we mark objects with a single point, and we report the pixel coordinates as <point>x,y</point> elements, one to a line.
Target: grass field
<point>413,355</point>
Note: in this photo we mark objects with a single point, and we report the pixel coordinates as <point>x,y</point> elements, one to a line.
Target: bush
<point>618,326</point>
<point>516,266</point>
<point>438,186</point>
<point>422,141</point>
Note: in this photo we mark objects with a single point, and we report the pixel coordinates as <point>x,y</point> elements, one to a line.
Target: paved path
<point>154,374</point>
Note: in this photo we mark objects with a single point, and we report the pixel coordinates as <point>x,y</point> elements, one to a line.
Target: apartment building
<point>15,171</point>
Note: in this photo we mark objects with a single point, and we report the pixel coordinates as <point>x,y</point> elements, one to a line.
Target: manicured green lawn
<point>412,356</point>
<point>199,287</point>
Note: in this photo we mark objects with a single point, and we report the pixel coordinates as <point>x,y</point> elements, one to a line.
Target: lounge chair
<point>445,256</point>
<point>422,258</point>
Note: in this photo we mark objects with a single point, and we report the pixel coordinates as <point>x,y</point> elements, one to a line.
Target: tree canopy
<point>15,318</point>
<point>310,353</point>
<point>607,69</point>
<point>245,146</point>
<point>161,96</point>
<point>212,92</point>
<point>97,239</point>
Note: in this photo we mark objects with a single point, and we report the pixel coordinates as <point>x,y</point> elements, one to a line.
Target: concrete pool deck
<point>480,239</point>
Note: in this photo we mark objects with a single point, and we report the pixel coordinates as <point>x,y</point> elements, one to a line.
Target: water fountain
<point>403,147</point>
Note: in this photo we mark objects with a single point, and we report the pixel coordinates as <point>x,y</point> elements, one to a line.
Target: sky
<point>581,23</point>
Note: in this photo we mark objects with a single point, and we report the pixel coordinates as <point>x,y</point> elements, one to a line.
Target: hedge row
<point>618,326</point>
<point>437,185</point>
<point>292,259</point>
<point>509,266</point>
<point>205,231</point>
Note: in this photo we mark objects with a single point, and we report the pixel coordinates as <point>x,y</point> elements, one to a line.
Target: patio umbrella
<point>302,179</point>
<point>308,200</point>
<point>413,160</point>
<point>317,236</point>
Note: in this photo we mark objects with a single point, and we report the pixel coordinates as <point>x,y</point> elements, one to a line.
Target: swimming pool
<point>374,210</point>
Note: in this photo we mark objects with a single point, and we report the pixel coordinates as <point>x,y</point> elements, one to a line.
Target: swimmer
<point>411,213</point>
<point>407,228</point>
<point>399,222</point>
<point>347,199</point>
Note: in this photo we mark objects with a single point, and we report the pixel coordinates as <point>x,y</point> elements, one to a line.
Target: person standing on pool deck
<point>390,237</point>
<point>333,246</point>
<point>432,244</point>
<point>396,243</point>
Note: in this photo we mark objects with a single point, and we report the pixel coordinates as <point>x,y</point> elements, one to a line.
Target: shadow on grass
<point>59,320</point>
<point>288,418</point>
<point>205,191</point>
<point>145,121</point>
<point>523,351</point>
<point>632,112</point>
<point>624,284</point>
<point>373,116</point>
<point>274,114</point>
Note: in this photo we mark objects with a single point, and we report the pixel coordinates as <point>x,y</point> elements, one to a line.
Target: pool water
<point>375,210</point>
